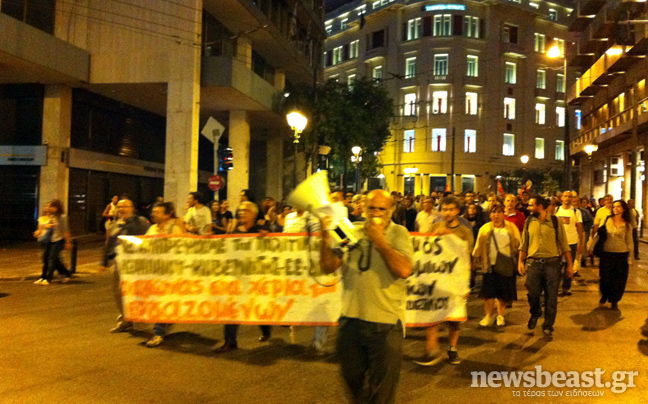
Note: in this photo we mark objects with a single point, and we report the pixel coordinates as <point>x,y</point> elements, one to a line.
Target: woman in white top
<point>110,213</point>
<point>57,240</point>
<point>614,265</point>
<point>498,235</point>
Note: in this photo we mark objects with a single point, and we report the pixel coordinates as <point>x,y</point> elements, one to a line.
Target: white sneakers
<point>155,341</point>
<point>489,320</point>
<point>41,282</point>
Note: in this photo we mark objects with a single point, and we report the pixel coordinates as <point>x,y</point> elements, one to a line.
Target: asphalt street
<point>56,348</point>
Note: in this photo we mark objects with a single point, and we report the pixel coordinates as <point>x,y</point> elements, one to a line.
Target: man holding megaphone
<point>371,326</point>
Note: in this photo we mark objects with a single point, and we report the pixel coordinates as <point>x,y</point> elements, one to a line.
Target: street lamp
<point>524,159</point>
<point>589,149</point>
<point>553,53</point>
<point>297,123</point>
<point>356,159</point>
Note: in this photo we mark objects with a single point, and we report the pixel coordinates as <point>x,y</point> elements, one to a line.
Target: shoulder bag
<point>602,238</point>
<point>504,265</point>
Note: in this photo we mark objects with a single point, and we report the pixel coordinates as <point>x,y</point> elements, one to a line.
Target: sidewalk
<point>23,261</point>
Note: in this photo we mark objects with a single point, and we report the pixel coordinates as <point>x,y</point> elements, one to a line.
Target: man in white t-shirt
<point>572,221</point>
<point>198,218</point>
<point>602,213</point>
<point>425,218</point>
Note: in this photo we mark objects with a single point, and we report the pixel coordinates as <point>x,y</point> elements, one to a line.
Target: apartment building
<point>108,98</point>
<point>610,46</point>
<point>468,76</point>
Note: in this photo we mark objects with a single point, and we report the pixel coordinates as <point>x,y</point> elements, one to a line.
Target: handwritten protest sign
<point>274,280</point>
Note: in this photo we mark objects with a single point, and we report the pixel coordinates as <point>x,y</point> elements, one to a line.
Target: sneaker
<point>486,321</point>
<point>38,282</point>
<point>453,357</point>
<point>44,282</point>
<point>155,341</point>
<point>430,359</point>
<point>547,335</point>
<point>532,322</point>
<point>122,326</point>
<point>500,321</point>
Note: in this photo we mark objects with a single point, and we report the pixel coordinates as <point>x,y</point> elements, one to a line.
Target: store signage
<point>442,7</point>
<point>23,155</point>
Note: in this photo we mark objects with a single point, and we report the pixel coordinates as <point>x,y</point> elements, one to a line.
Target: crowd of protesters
<point>545,239</point>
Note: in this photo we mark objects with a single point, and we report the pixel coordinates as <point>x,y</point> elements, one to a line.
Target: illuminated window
<point>438,139</point>
<point>509,108</point>
<point>510,74</point>
<point>560,150</point>
<point>539,148</point>
<point>541,79</point>
<point>509,34</point>
<point>439,102</point>
<point>540,43</point>
<point>442,25</point>
<point>561,46</point>
<point>337,55</point>
<point>344,23</point>
<point>471,103</point>
<point>375,4</point>
<point>553,14</point>
<point>473,66</point>
<point>353,49</point>
<point>578,114</point>
<point>409,108</point>
<point>351,81</point>
<point>471,27</point>
<point>329,29</point>
<point>410,68</point>
<point>377,73</point>
<point>541,112</point>
<point>560,83</point>
<point>414,29</point>
<point>441,65</point>
<point>508,148</point>
<point>408,145</point>
<point>470,141</point>
<point>560,117</point>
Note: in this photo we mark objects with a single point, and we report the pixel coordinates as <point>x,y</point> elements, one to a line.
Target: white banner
<point>273,280</point>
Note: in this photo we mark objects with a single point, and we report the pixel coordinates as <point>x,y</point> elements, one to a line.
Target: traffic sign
<point>216,182</point>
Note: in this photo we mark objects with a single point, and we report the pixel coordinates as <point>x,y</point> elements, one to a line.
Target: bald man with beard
<point>371,330</point>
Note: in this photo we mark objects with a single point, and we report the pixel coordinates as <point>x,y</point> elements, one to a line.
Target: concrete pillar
<point>244,51</point>
<point>181,158</point>
<point>239,141</point>
<point>57,118</point>
<point>279,80</point>
<point>275,166</point>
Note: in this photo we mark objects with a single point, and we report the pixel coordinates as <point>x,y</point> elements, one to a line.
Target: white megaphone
<point>312,195</point>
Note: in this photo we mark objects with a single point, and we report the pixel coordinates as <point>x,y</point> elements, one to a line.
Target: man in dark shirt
<point>127,224</point>
<point>247,224</point>
<point>410,213</point>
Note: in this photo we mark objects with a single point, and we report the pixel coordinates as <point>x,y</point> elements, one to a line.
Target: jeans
<point>374,350</point>
<point>160,329</point>
<point>52,255</point>
<point>635,240</point>
<point>544,275</point>
<point>613,270</point>
<point>567,281</point>
<point>231,331</point>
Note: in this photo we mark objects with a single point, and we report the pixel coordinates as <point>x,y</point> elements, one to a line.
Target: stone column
<point>244,51</point>
<point>57,118</point>
<point>239,141</point>
<point>274,173</point>
<point>181,159</point>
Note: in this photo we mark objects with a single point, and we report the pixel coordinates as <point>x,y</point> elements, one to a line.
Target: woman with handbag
<point>495,251</point>
<point>615,255</point>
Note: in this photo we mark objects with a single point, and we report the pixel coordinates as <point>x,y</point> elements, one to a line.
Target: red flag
<point>500,189</point>
<point>447,187</point>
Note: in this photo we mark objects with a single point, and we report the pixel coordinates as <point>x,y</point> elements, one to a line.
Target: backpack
<point>554,221</point>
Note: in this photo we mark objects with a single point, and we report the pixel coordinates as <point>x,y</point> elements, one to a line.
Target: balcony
<point>613,130</point>
<point>600,74</point>
<point>229,84</point>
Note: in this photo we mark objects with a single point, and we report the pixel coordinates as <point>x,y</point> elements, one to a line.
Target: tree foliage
<point>342,116</point>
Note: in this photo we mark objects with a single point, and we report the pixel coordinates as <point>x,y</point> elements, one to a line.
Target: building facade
<point>610,45</point>
<point>109,98</point>
<point>468,76</point>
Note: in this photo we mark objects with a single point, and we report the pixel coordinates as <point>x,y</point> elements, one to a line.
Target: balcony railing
<point>614,126</point>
